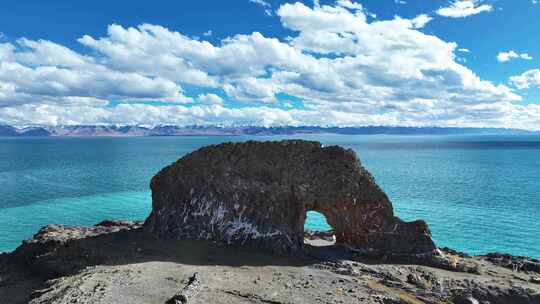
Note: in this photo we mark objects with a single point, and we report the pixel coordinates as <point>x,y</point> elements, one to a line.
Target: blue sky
<point>383,62</point>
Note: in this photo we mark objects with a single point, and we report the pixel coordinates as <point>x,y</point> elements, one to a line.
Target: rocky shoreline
<point>118,262</point>
<point>227,226</point>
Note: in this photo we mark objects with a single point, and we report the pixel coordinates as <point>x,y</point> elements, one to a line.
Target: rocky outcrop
<point>58,250</point>
<point>256,194</point>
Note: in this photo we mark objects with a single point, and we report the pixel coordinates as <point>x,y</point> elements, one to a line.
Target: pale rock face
<point>256,194</point>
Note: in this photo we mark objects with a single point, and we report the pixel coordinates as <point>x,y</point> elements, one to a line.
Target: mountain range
<point>170,130</point>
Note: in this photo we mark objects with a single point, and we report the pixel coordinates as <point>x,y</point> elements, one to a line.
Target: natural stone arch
<point>257,193</point>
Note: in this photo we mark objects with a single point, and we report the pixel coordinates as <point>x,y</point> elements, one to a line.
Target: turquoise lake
<point>479,194</point>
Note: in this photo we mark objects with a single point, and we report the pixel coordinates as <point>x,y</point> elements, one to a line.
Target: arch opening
<point>317,231</point>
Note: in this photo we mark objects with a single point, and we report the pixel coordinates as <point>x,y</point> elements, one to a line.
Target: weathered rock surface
<point>256,194</point>
<point>59,250</point>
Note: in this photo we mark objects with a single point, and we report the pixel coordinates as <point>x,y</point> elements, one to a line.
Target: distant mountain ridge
<point>169,130</point>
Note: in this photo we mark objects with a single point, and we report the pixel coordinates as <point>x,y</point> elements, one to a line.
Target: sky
<point>449,63</point>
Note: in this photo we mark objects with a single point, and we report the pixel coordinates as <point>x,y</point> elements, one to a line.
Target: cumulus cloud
<point>45,72</point>
<point>464,8</point>
<point>507,56</point>
<point>527,80</point>
<point>349,4</point>
<point>130,50</point>
<point>210,98</point>
<point>336,62</point>
<point>383,60</point>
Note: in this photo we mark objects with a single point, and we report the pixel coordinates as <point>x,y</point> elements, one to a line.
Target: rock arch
<point>256,194</point>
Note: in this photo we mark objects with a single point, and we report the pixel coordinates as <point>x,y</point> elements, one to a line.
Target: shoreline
<point>443,248</point>
<point>482,253</point>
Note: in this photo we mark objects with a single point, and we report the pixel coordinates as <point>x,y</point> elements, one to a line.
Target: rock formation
<point>256,194</point>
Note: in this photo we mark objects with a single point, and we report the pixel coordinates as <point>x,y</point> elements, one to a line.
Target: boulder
<point>256,194</point>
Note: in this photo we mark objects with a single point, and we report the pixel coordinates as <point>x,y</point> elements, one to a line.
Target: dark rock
<point>465,299</point>
<point>323,235</point>
<point>516,263</point>
<point>59,250</point>
<point>120,225</point>
<point>256,194</point>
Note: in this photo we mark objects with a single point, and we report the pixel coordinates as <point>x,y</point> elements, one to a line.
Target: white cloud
<point>343,69</point>
<point>265,5</point>
<point>207,33</point>
<point>260,2</point>
<point>50,73</point>
<point>128,50</point>
<point>507,56</point>
<point>421,20</point>
<point>385,60</point>
<point>464,8</point>
<point>527,80</point>
<point>477,116</point>
<point>211,99</point>
<point>464,50</point>
<point>349,4</point>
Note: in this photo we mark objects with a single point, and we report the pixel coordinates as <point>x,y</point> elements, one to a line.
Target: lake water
<point>478,193</point>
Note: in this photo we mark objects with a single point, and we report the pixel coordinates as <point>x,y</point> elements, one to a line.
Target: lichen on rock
<point>256,194</point>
